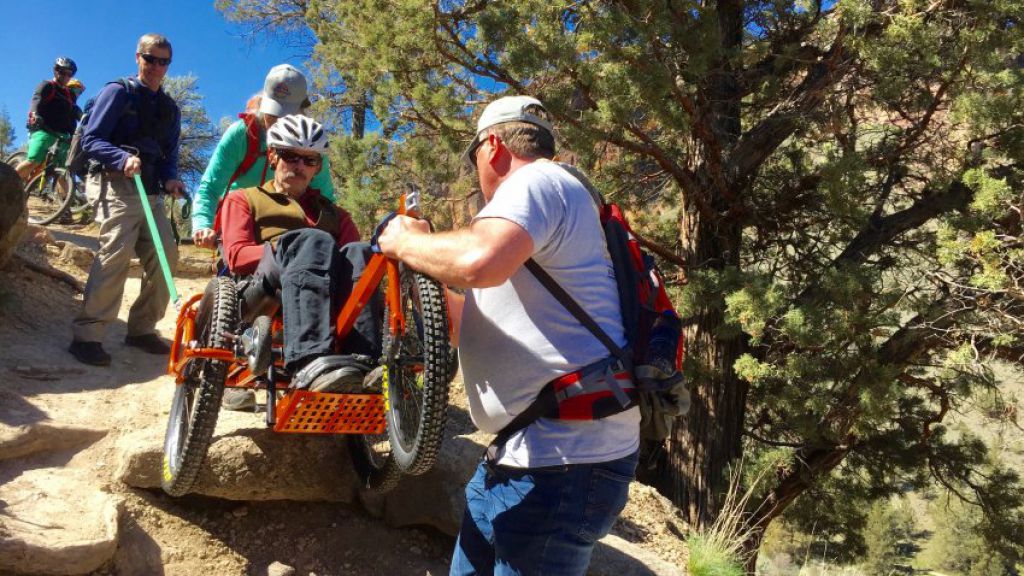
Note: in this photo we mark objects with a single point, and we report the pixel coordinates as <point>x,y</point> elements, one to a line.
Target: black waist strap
<point>607,379</point>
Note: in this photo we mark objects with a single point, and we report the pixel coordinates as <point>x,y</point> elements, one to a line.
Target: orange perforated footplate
<point>325,413</point>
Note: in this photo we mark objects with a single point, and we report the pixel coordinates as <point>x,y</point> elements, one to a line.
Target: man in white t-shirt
<point>555,487</point>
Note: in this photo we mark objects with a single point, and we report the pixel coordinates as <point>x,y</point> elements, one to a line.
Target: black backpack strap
<point>546,402</point>
<point>575,309</point>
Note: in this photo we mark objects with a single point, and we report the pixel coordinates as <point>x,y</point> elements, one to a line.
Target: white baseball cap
<point>508,109</point>
<point>284,91</point>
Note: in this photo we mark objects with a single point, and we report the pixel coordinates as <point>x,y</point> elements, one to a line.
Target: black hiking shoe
<point>149,343</point>
<point>339,374</point>
<point>91,353</point>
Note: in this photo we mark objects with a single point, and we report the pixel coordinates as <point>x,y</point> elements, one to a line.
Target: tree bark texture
<point>700,452</point>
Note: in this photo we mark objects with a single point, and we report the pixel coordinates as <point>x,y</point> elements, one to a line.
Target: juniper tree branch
<point>878,232</point>
<point>776,443</point>
<point>761,141</point>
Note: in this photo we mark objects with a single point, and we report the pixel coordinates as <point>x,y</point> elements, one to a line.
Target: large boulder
<point>13,216</point>
<point>29,439</point>
<point>56,521</point>
<point>436,498</point>
<point>246,461</point>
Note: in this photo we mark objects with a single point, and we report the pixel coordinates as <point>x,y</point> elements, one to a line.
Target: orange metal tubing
<point>361,294</point>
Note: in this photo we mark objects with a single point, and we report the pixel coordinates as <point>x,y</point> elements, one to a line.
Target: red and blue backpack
<point>647,372</point>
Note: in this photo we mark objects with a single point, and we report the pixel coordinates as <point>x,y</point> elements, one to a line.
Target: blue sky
<point>100,36</point>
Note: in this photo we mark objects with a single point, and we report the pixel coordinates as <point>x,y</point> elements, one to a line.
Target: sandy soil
<point>161,535</point>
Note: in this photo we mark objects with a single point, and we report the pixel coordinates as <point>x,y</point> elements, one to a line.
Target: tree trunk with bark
<point>710,439</point>
<point>700,451</point>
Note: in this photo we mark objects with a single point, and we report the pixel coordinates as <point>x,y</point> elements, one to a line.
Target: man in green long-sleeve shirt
<point>284,93</point>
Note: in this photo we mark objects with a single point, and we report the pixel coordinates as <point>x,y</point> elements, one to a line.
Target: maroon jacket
<point>242,250</point>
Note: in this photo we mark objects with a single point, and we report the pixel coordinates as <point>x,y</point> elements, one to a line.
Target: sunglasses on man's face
<point>150,59</point>
<point>294,157</point>
<point>473,151</point>
<point>65,72</point>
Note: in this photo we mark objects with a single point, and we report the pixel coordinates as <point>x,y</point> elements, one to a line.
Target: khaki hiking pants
<point>124,231</point>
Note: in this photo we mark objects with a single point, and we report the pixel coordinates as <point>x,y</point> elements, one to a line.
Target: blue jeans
<point>541,521</point>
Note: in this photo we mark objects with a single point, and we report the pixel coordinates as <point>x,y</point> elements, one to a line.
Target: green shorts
<point>40,141</point>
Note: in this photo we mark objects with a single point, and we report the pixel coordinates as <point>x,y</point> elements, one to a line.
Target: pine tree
<point>888,527</point>
<point>7,134</point>
<point>198,134</point>
<point>838,182</point>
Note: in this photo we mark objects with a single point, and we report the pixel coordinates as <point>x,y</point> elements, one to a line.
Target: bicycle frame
<point>378,266</point>
<point>44,206</point>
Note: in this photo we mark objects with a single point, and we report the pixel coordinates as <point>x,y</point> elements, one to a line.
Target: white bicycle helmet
<point>297,132</point>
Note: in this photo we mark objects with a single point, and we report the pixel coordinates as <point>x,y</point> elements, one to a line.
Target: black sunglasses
<point>474,150</point>
<point>150,59</point>
<point>65,71</point>
<point>290,157</point>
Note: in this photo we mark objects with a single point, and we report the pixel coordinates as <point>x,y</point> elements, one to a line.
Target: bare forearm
<point>448,257</point>
<point>486,254</point>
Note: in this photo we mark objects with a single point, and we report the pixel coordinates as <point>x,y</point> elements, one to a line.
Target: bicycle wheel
<point>15,158</point>
<point>49,194</point>
<point>79,202</point>
<point>417,374</point>
<point>196,403</point>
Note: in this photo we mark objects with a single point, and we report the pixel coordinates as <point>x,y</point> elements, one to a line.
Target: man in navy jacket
<point>133,129</point>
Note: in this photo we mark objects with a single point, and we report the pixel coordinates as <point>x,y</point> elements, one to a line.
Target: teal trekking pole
<point>158,242</point>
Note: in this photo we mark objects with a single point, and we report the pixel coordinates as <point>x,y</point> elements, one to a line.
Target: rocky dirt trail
<point>79,457</point>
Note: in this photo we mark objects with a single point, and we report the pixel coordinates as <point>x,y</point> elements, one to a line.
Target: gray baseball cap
<point>284,91</point>
<point>507,109</point>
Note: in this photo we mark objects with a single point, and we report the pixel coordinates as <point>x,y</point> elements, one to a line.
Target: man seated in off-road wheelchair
<point>293,249</point>
<point>302,314</point>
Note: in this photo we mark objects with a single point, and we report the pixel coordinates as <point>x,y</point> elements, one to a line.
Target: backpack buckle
<point>621,365</point>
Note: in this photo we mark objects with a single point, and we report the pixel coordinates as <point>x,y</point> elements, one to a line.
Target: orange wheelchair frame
<point>301,411</point>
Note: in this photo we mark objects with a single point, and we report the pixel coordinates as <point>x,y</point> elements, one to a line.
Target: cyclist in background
<point>52,117</point>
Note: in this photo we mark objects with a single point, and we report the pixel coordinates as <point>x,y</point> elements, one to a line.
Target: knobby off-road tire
<point>371,453</point>
<point>374,465</point>
<point>196,404</point>
<point>418,374</point>
<point>49,195</point>
<point>77,203</point>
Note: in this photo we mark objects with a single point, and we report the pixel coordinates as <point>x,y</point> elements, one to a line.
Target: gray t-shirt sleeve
<point>530,203</point>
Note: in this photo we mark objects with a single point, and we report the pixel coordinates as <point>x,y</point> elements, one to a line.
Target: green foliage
<point>888,528</point>
<point>842,180</point>
<point>719,549</point>
<point>7,134</point>
<point>958,546</point>
<point>707,559</point>
<point>198,135</point>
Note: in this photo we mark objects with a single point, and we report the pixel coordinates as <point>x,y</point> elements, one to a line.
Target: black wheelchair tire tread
<point>184,472</point>
<point>373,479</point>
<point>437,354</point>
